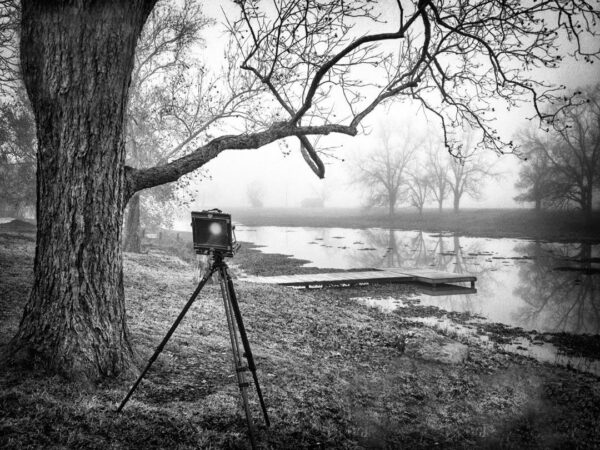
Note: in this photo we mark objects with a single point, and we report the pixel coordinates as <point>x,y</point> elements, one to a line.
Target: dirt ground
<point>335,373</point>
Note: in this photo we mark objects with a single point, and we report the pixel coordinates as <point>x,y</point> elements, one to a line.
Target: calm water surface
<point>535,285</point>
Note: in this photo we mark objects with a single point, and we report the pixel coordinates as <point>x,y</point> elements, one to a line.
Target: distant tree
<point>439,168</point>
<point>321,190</point>
<point>469,170</point>
<point>161,62</point>
<point>576,157</point>
<point>17,126</point>
<point>565,163</point>
<point>173,105</point>
<point>10,78</point>
<point>255,191</point>
<point>17,155</point>
<point>419,188</point>
<point>537,176</point>
<point>381,170</point>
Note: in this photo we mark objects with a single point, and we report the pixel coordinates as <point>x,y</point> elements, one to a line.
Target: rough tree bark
<point>77,59</point>
<point>133,240</point>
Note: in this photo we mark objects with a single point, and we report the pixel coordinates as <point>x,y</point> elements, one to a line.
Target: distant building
<point>313,202</point>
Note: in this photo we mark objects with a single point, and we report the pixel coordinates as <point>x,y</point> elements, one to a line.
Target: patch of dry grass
<point>333,372</point>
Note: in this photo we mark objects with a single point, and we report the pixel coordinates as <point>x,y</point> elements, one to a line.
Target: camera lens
<point>215,228</point>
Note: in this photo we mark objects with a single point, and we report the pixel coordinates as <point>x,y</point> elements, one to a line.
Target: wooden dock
<point>427,277</point>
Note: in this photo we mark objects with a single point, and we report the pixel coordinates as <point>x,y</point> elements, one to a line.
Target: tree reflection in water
<point>566,300</point>
<point>419,250</point>
<point>516,281</point>
<point>557,300</point>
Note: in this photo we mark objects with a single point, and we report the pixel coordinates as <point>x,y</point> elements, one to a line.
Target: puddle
<point>531,346</point>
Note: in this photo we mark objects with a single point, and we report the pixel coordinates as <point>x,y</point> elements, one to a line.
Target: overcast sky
<point>287,179</point>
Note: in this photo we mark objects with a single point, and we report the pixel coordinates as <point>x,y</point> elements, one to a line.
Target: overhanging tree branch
<point>138,179</point>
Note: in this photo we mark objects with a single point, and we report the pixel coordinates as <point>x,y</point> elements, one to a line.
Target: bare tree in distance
<point>563,166</point>
<point>469,170</point>
<point>321,191</point>
<point>576,158</point>
<point>439,169</point>
<point>162,61</point>
<point>10,78</point>
<point>17,156</point>
<point>17,127</point>
<point>77,60</point>
<point>382,171</point>
<point>537,177</point>
<point>419,183</point>
<point>175,103</point>
<point>255,191</point>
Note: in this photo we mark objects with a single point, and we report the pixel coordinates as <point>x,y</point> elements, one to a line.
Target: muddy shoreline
<point>253,262</point>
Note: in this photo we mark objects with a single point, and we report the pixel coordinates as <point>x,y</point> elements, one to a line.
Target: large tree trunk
<point>133,239</point>
<point>77,59</point>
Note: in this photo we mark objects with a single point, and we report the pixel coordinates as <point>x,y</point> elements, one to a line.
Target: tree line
<point>562,160</point>
<point>409,168</point>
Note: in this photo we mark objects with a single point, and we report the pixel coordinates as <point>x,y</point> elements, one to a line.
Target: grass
<point>548,225</point>
<point>334,373</point>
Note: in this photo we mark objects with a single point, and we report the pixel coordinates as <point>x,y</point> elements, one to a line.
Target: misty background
<point>278,175</point>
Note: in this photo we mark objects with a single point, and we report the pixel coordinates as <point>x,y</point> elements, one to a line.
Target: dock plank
<point>386,275</point>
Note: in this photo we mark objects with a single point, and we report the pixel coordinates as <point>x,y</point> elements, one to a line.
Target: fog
<point>286,180</point>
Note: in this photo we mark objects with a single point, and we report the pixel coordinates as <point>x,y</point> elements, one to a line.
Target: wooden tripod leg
<point>245,342</point>
<point>238,363</point>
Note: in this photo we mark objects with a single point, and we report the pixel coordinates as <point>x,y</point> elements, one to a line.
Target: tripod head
<point>217,259</point>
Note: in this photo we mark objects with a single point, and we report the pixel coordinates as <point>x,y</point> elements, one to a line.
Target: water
<point>518,283</point>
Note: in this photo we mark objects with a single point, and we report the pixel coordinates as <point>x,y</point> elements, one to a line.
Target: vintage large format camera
<point>213,233</point>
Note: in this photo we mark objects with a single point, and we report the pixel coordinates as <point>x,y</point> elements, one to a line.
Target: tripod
<point>236,328</point>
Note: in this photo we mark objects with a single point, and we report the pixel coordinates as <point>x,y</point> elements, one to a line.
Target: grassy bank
<point>335,374</point>
<point>555,225</point>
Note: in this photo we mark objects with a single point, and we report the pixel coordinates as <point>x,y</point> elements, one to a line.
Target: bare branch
<point>139,179</point>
